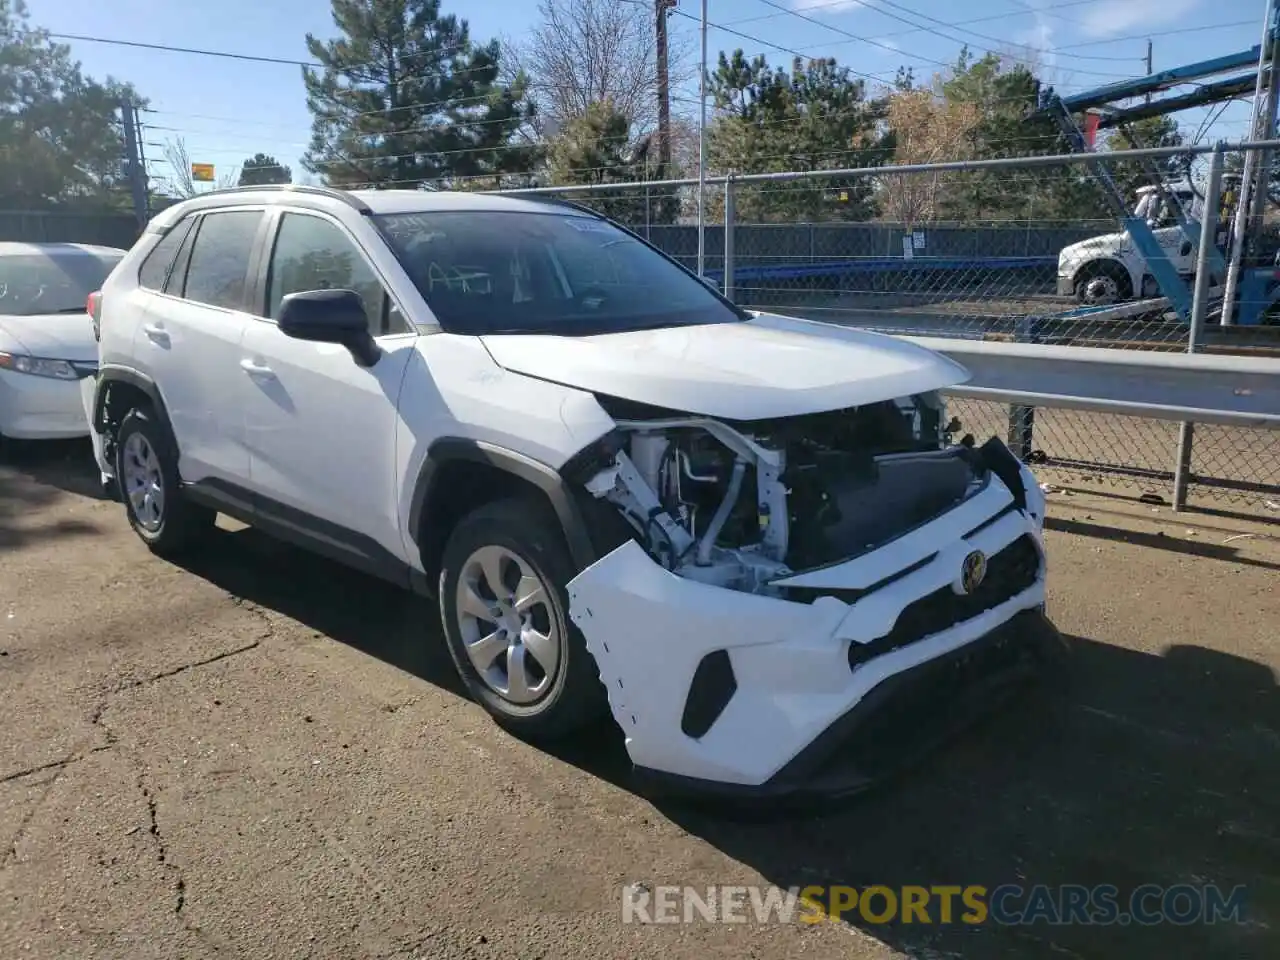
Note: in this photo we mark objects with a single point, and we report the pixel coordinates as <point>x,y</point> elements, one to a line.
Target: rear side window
<point>219,266</point>
<point>156,266</point>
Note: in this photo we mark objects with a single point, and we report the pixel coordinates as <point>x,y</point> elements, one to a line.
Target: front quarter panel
<point>461,392</point>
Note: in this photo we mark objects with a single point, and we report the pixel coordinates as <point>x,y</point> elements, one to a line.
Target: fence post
<point>729,220</point>
<point>1199,306</point>
<point>1022,418</point>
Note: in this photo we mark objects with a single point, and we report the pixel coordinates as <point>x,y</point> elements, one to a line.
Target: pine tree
<point>405,100</point>
<point>263,168</point>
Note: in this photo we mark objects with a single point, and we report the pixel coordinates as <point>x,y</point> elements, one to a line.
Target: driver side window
<point>312,253</point>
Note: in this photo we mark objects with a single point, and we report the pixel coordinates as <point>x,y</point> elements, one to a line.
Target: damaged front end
<point>785,584</point>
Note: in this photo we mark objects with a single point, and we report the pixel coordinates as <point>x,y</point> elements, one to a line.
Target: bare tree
<point>182,182</point>
<point>588,51</point>
<point>927,129</point>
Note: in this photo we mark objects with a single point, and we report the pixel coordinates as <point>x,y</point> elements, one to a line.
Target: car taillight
<point>93,307</point>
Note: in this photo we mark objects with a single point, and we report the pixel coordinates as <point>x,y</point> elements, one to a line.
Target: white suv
<point>747,535</point>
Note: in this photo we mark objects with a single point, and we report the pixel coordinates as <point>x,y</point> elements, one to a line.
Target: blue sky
<point>226,110</point>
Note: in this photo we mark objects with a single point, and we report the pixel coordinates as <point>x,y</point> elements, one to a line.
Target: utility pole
<point>134,169</point>
<point>702,151</point>
<point>660,8</point>
<point>1148,66</point>
<point>142,164</point>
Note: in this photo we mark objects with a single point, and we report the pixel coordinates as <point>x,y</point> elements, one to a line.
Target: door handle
<point>155,333</point>
<point>256,369</point>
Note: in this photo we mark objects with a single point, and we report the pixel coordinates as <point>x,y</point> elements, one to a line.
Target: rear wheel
<point>506,621</point>
<point>147,476</point>
<point>1103,283</point>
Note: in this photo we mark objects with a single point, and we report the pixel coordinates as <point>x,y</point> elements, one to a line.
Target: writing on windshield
<point>555,272</point>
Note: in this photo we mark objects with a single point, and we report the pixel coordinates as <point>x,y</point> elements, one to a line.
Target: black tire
<point>181,522</point>
<point>1103,270</point>
<point>575,697</point>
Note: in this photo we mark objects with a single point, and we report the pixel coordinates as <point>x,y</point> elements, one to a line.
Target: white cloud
<point>1125,16</point>
<point>1035,45</point>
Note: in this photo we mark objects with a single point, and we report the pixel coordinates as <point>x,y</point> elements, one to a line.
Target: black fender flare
<point>546,478</point>
<point>111,374</point>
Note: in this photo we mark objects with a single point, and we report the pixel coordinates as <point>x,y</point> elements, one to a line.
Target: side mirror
<point>330,316</point>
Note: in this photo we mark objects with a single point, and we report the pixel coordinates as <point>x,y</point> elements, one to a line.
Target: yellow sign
<point>202,172</point>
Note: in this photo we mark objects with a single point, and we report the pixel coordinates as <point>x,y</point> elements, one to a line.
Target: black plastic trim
<point>255,287</point>
<point>175,284</point>
<point>1001,461</point>
<point>112,374</point>
<point>297,527</point>
<point>545,478</point>
<point>188,222</point>
<point>1029,643</point>
<point>712,687</point>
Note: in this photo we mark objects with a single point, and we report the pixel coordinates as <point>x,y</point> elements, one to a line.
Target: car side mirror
<point>330,316</point>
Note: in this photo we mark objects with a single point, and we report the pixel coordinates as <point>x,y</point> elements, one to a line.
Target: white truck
<point>1109,269</point>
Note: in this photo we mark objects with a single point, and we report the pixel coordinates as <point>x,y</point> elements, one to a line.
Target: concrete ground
<point>263,755</point>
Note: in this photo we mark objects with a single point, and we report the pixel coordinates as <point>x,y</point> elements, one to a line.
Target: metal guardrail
<point>1189,389</point>
<point>1229,390</point>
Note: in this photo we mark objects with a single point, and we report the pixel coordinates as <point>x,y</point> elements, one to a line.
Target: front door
<point>320,429</point>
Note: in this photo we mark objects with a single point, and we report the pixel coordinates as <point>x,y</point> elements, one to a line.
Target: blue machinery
<point>1251,290</point>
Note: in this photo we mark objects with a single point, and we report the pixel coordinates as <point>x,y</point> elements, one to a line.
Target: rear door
<point>190,339</point>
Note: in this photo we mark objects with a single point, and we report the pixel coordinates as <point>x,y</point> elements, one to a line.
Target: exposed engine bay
<point>743,504</point>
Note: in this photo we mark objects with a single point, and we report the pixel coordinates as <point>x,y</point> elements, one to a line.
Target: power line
<point>845,33</point>
<point>1159,33</point>
<point>870,5</point>
<point>954,26</point>
<point>809,8</point>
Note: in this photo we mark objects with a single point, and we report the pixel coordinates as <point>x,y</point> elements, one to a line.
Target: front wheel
<point>504,611</point>
<point>1103,283</point>
<point>147,478</point>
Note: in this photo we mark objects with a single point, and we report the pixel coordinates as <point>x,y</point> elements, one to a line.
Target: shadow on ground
<point>1139,769</point>
<point>32,476</point>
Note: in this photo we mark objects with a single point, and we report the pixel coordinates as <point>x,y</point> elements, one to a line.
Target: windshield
<point>557,272</point>
<point>35,283</point>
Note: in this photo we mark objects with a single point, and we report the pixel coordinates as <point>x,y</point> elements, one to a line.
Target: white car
<point>46,337</point>
<point>746,535</point>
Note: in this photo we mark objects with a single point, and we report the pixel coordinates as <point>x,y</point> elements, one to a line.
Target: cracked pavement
<point>265,755</point>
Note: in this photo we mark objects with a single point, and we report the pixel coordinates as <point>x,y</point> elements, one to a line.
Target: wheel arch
<point>116,388</point>
<point>461,474</point>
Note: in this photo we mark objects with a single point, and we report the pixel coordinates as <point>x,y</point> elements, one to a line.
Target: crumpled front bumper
<point>728,692</point>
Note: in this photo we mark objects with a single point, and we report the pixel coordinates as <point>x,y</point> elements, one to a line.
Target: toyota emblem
<point>972,571</point>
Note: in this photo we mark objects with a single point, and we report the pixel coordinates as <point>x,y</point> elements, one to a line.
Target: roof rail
<point>561,202</point>
<point>332,192</point>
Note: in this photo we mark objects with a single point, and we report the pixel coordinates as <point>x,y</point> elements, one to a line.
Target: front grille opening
<point>933,702</point>
<point>1010,571</point>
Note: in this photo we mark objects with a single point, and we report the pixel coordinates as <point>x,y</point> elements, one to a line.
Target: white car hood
<point>770,366</point>
<point>55,336</point>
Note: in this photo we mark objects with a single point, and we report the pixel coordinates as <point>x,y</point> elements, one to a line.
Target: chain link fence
<point>1096,250</point>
